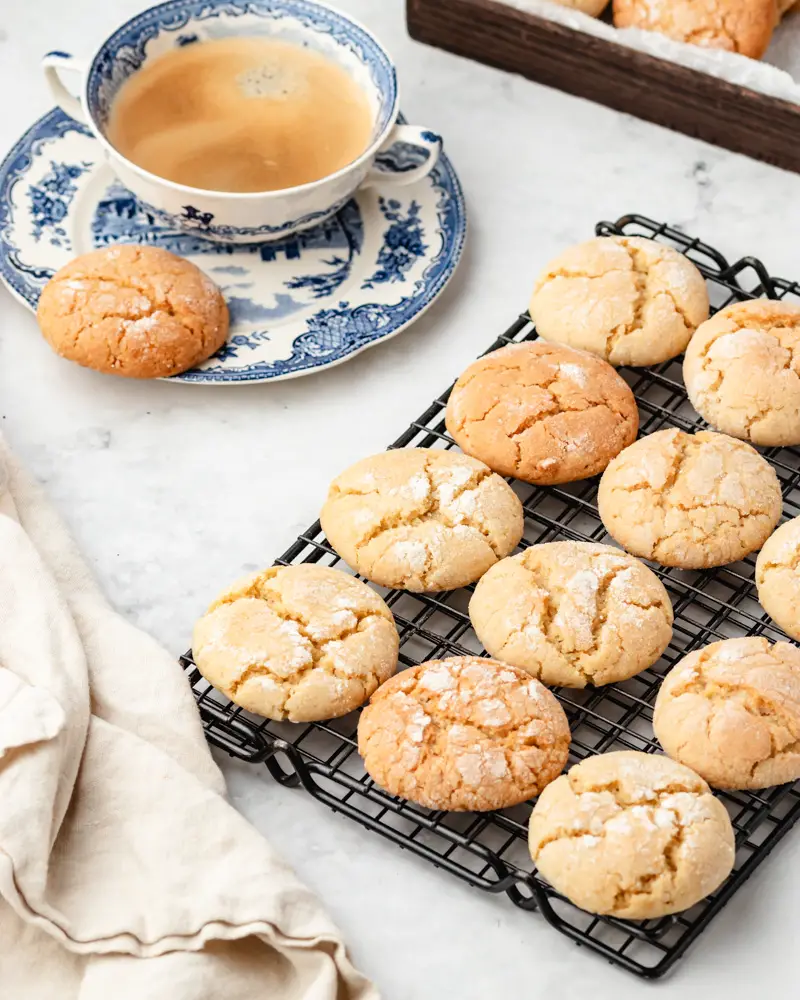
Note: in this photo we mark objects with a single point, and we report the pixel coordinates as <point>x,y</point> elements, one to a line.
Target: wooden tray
<point>659,91</point>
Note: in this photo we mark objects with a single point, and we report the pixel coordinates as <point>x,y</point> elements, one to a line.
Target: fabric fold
<point>119,857</point>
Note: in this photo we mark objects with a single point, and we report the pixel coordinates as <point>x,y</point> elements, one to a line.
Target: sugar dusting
<point>574,373</point>
<point>480,765</point>
<point>411,553</point>
<point>578,609</point>
<point>492,712</point>
<point>415,488</point>
<point>437,679</point>
<point>416,723</point>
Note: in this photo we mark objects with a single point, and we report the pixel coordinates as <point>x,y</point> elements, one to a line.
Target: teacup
<point>397,154</point>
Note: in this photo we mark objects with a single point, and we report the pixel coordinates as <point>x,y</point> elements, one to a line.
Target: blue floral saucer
<point>306,303</point>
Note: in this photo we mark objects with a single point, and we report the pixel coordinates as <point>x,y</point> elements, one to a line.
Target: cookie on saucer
<point>131,310</point>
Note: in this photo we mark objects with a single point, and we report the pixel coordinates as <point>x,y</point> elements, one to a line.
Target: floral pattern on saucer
<point>298,305</point>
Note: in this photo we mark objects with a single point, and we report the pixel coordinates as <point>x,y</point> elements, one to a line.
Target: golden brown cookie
<point>731,712</point>
<point>629,300</point>
<point>743,26</point>
<point>543,413</point>
<point>742,371</point>
<point>463,734</point>
<point>301,643</point>
<point>573,613</point>
<point>690,500</point>
<point>593,7</point>
<point>778,577</point>
<point>632,835</point>
<point>133,310</point>
<point>421,519</point>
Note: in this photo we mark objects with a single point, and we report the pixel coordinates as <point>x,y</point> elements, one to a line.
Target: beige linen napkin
<point>123,871</point>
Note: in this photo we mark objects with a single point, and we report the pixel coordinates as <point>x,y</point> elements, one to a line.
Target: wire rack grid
<point>489,850</point>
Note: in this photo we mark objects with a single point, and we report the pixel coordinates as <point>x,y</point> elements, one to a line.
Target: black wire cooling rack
<point>489,850</point>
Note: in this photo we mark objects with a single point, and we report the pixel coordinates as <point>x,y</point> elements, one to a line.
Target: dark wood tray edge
<point>685,100</point>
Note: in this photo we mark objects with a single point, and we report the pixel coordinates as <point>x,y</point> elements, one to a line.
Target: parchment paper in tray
<point>778,75</point>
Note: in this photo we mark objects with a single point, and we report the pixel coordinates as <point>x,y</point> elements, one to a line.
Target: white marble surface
<point>174,489</point>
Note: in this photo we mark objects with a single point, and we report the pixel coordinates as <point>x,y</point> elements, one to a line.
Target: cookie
<point>301,643</point>
<point>137,311</point>
<point>743,26</point>
<point>573,613</point>
<point>543,413</point>
<point>690,500</point>
<point>778,577</point>
<point>631,835</point>
<point>593,7</point>
<point>420,519</point>
<point>463,734</point>
<point>731,712</point>
<point>742,372</point>
<point>629,300</point>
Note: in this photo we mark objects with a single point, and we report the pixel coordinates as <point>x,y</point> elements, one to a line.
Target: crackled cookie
<point>778,577</point>
<point>573,613</point>
<point>133,310</point>
<point>301,643</point>
<point>742,371</point>
<point>632,835</point>
<point>743,26</point>
<point>421,519</point>
<point>543,413</point>
<point>690,500</point>
<point>731,712</point>
<point>629,300</point>
<point>463,734</point>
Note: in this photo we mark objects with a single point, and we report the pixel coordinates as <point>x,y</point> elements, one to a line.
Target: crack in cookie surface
<point>743,28</point>
<point>302,642</point>
<point>690,500</point>
<point>573,613</point>
<point>465,733</point>
<point>542,412</point>
<point>731,711</point>
<point>422,519</point>
<point>627,299</point>
<point>742,372</point>
<point>778,577</point>
<point>631,834</point>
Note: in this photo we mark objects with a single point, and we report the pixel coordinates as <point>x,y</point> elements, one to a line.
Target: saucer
<point>296,306</point>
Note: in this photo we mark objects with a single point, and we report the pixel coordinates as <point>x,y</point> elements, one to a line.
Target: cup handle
<point>53,64</point>
<point>408,155</point>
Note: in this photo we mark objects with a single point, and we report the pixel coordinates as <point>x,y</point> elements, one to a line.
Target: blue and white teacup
<point>397,154</point>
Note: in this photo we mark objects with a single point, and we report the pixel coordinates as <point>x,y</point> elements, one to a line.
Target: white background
<point>173,490</point>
